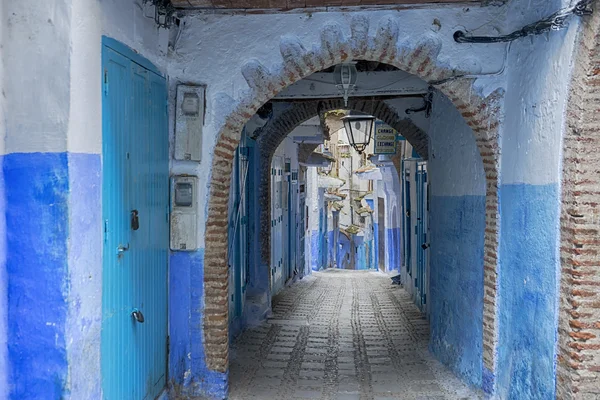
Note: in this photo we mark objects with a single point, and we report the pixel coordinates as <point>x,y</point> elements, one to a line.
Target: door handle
<point>137,315</point>
<point>135,220</point>
<point>121,249</point>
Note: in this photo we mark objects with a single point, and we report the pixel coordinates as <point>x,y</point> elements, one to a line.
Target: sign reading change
<point>385,139</point>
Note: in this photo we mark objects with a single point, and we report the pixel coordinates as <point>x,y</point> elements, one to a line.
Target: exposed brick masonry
<point>578,369</point>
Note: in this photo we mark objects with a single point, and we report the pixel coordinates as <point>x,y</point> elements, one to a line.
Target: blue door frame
<point>407,231</point>
<point>135,199</point>
<point>302,234</point>
<point>238,235</point>
<point>292,223</point>
<point>421,235</point>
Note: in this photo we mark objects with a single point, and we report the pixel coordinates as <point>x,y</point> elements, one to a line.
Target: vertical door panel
<point>135,179</point>
<point>277,223</point>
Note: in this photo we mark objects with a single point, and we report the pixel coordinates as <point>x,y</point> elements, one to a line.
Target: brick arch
<point>577,370</point>
<point>278,128</point>
<point>482,114</point>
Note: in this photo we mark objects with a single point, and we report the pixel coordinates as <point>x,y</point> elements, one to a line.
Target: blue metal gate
<point>135,179</point>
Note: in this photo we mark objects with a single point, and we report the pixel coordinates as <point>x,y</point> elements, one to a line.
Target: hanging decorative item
<point>345,79</point>
<point>359,128</point>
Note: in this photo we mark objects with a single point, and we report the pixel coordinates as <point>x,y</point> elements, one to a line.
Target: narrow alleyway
<point>341,335</point>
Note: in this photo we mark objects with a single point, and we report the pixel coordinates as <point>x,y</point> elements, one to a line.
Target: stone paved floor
<point>341,335</point>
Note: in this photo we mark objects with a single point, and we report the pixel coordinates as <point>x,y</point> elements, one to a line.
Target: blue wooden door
<point>302,226</point>
<point>135,172</point>
<point>421,234</point>
<point>238,232</point>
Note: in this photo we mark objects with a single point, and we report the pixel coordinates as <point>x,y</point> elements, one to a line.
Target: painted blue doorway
<point>421,235</point>
<point>238,236</point>
<point>407,226</point>
<point>135,198</point>
<point>303,227</point>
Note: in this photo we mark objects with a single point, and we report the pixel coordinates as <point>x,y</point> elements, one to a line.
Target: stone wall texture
<point>482,114</point>
<point>578,366</point>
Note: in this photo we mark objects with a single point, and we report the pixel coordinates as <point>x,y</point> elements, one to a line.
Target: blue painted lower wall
<point>36,208</point>
<point>3,298</point>
<point>528,291</point>
<point>315,250</point>
<point>84,323</point>
<point>331,245</point>
<point>456,283</point>
<point>393,249</point>
<point>190,377</point>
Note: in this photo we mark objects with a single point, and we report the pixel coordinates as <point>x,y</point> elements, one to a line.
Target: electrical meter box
<point>184,213</point>
<point>189,121</point>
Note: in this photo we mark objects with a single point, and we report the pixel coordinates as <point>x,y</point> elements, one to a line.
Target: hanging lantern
<point>359,129</point>
<point>345,79</point>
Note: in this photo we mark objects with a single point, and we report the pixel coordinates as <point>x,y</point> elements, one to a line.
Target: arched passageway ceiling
<point>284,122</point>
<point>292,4</point>
<point>482,113</point>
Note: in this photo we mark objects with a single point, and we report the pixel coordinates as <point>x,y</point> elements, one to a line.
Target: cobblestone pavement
<point>341,335</point>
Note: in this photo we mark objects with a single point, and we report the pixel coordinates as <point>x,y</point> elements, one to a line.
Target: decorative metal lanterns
<point>360,130</point>
<point>345,79</point>
<point>327,169</point>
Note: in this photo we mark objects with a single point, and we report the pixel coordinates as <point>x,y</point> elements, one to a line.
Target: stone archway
<point>482,114</point>
<point>278,128</point>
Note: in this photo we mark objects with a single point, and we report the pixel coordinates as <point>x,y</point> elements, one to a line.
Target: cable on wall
<point>554,22</point>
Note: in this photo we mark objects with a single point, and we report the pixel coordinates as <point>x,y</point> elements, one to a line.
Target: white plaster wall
<point>455,166</point>
<point>213,48</point>
<point>124,20</point>
<point>402,104</point>
<point>312,203</point>
<point>536,97</point>
<point>392,199</point>
<point>36,57</point>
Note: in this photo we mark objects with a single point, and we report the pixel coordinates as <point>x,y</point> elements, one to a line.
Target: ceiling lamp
<point>359,129</point>
<point>345,79</point>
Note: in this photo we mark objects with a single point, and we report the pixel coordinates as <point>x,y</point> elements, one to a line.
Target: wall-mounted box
<point>184,213</point>
<point>189,121</point>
